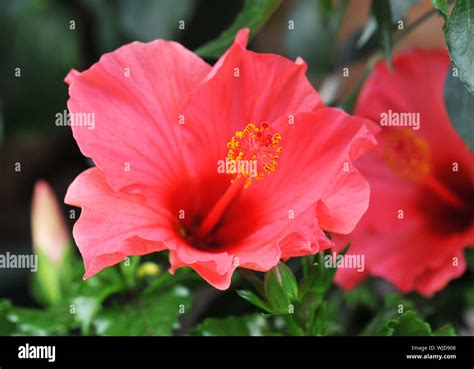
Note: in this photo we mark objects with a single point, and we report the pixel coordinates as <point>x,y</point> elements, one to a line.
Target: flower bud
<point>48,228</point>
<point>52,245</point>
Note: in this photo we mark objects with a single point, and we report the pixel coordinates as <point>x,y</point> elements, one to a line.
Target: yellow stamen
<point>253,147</point>
<point>408,155</point>
<point>258,146</point>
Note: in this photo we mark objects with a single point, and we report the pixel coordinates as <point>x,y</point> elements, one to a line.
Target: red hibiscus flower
<point>235,165</point>
<point>421,214</point>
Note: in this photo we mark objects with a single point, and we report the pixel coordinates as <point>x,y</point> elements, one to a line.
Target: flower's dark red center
<point>255,144</point>
<point>449,200</point>
<point>254,147</point>
<point>446,195</point>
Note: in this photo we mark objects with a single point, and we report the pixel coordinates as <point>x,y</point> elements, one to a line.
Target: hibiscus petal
<point>215,268</point>
<point>382,92</point>
<point>244,87</point>
<point>258,252</point>
<point>136,94</point>
<point>316,150</point>
<point>304,236</point>
<point>113,225</point>
<point>403,250</point>
<point>396,235</point>
<point>403,259</point>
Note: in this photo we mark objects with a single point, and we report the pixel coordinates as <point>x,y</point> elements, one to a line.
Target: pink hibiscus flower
<point>421,214</point>
<point>165,122</point>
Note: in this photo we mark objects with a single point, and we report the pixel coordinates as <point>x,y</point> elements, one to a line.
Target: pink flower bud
<point>48,228</point>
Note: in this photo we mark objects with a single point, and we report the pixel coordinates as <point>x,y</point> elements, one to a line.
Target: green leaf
<point>150,315</point>
<point>383,15</point>
<point>398,318</point>
<point>398,10</point>
<point>442,6</point>
<point>362,295</point>
<point>255,300</point>
<point>281,288</point>
<point>320,276</point>
<point>460,105</point>
<point>326,6</point>
<point>408,324</point>
<point>246,325</point>
<point>253,15</point>
<point>128,268</point>
<point>35,322</point>
<point>6,326</point>
<point>86,297</point>
<point>460,40</point>
<point>53,280</point>
<point>394,305</point>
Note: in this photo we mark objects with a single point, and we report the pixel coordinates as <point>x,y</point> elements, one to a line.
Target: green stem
<point>253,279</point>
<point>307,262</point>
<point>293,327</point>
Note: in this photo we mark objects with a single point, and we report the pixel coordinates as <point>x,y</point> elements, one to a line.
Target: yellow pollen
<point>407,154</point>
<point>254,151</point>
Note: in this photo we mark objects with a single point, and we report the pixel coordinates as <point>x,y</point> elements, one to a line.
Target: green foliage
<point>6,326</point>
<point>255,300</point>
<point>245,325</point>
<point>442,6</point>
<point>398,318</point>
<point>408,324</point>
<point>384,19</point>
<point>38,322</point>
<point>393,306</point>
<point>301,305</point>
<point>382,12</point>
<point>253,15</point>
<point>149,315</point>
<point>314,310</point>
<point>362,295</point>
<point>460,40</point>
<point>281,288</point>
<point>460,105</point>
<point>128,269</point>
<point>53,280</point>
<point>114,302</point>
